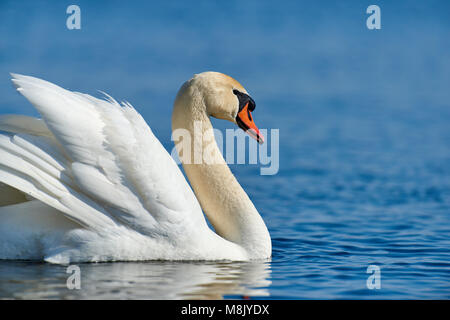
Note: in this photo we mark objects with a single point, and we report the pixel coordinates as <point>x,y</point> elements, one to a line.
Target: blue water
<point>364,120</point>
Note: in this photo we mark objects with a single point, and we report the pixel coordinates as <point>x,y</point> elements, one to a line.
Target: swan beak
<point>244,120</point>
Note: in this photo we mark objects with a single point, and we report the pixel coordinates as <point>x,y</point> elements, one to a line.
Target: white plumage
<point>91,182</point>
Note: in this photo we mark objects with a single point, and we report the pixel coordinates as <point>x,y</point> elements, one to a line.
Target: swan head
<point>225,98</point>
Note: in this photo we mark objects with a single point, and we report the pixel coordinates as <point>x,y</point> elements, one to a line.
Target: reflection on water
<point>144,280</point>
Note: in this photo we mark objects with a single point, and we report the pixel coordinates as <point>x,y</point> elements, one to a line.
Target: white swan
<point>90,182</point>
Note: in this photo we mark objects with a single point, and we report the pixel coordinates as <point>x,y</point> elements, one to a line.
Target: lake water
<point>364,120</point>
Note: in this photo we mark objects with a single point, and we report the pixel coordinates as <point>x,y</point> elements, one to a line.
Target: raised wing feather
<point>114,159</point>
<point>26,167</point>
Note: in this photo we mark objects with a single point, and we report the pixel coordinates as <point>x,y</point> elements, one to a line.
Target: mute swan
<point>90,182</point>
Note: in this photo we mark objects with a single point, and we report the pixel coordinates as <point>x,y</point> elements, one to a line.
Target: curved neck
<point>225,203</point>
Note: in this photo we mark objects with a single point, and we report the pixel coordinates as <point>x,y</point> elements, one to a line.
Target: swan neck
<point>223,200</point>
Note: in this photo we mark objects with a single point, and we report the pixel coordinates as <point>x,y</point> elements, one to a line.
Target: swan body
<point>90,182</point>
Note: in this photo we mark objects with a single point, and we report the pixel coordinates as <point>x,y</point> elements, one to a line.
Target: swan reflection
<point>145,280</point>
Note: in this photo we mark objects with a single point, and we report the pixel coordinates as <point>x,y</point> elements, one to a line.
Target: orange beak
<point>244,120</point>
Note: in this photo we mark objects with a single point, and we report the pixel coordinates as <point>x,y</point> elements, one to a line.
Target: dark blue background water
<point>364,119</point>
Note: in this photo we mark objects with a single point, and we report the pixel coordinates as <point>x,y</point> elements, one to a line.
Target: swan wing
<point>34,166</point>
<point>24,124</point>
<point>116,167</point>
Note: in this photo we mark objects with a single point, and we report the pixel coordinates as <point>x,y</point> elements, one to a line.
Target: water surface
<point>364,119</point>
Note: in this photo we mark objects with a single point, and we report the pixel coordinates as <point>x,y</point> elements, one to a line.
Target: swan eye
<point>244,99</point>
